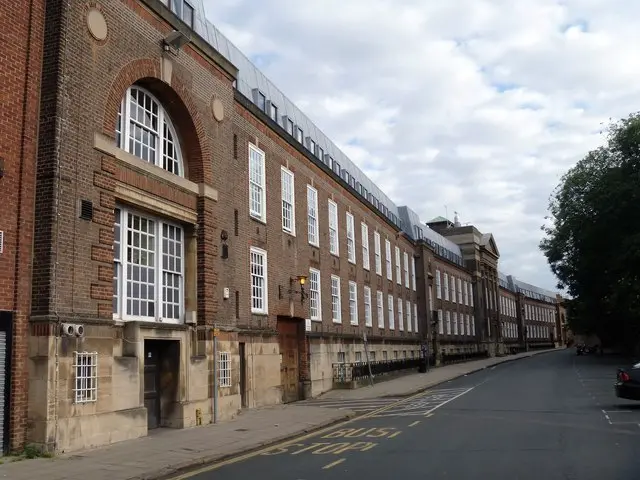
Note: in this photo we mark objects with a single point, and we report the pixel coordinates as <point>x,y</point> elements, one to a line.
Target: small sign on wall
<point>307,325</point>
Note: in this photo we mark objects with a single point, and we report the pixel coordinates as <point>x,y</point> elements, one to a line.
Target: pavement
<point>539,418</point>
<point>165,453</point>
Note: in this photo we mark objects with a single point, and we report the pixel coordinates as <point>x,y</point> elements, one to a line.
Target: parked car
<point>628,383</point>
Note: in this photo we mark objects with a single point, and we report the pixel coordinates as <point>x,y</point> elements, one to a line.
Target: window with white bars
<point>446,286</point>
<point>257,184</point>
<point>387,248</point>
<point>85,365</point>
<point>336,299</point>
<point>144,129</point>
<point>378,253</point>
<point>438,285</point>
<point>224,369</point>
<point>453,289</point>
<point>391,314</point>
<point>408,313</point>
<point>400,315</point>
<point>258,266</point>
<point>447,317</point>
<point>288,201</point>
<point>312,216</point>
<point>455,323</point>
<point>353,303</point>
<point>315,303</point>
<point>398,267</point>
<point>148,273</point>
<point>380,304</point>
<point>415,317</point>
<point>365,246</point>
<point>460,291</point>
<point>413,273</point>
<point>368,320</point>
<point>470,285</point>
<point>440,323</point>
<point>351,239</point>
<point>334,248</point>
<point>406,269</point>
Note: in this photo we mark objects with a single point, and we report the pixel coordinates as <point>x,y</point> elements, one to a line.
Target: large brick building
<point>21,35</point>
<point>201,246</point>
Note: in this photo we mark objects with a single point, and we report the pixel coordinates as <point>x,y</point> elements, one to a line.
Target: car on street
<point>628,383</point>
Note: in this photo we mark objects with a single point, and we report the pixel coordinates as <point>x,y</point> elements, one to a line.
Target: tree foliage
<point>593,242</point>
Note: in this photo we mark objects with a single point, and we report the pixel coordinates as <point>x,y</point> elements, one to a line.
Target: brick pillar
<point>208,239</point>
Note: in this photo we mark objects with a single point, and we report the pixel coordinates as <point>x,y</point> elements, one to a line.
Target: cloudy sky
<point>479,105</point>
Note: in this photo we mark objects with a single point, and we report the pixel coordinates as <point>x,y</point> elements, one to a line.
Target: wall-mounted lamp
<point>300,281</point>
<point>174,41</point>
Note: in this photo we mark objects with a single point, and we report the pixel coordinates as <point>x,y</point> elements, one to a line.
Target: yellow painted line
<point>415,423</point>
<point>333,464</point>
<point>322,431</point>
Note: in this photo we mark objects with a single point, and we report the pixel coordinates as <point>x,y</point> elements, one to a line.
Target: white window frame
<point>440,323</point>
<point>452,281</point>
<point>366,258</point>
<point>334,243</point>
<point>85,371</point>
<point>470,285</point>
<point>313,224</point>
<point>387,247</point>
<point>368,319</point>
<point>454,321</point>
<point>390,309</point>
<point>378,253</point>
<point>473,325</point>
<point>438,285</point>
<point>400,315</point>
<point>351,237</point>
<point>315,295</point>
<point>459,291</point>
<point>446,286</point>
<point>447,318</point>
<point>413,273</point>
<point>407,311</point>
<point>353,303</point>
<point>405,258</point>
<point>380,305</point>
<point>415,317</point>
<point>265,278</point>
<point>398,267</point>
<point>224,369</point>
<point>123,129</point>
<point>466,292</point>
<point>122,264</point>
<point>257,186</point>
<point>288,200</point>
<point>336,299</point>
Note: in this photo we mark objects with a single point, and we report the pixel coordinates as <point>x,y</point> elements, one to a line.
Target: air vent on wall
<point>86,209</point>
<point>1,241</point>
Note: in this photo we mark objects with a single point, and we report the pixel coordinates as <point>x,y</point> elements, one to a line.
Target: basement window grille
<point>225,369</point>
<point>86,381</point>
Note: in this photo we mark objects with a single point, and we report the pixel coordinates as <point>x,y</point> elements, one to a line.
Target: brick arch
<point>178,102</point>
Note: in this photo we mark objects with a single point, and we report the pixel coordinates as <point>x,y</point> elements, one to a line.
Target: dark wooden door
<point>243,376</point>
<point>288,335</point>
<point>152,383</point>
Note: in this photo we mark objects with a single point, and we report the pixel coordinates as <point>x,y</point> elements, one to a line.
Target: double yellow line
<point>284,443</point>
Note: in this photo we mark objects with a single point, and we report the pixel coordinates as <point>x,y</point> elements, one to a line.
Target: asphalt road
<point>547,417</point>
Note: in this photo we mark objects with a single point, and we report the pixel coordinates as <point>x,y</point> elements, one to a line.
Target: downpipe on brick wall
<point>215,375</point>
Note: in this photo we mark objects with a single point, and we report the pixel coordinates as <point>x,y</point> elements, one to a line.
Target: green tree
<point>593,242</point>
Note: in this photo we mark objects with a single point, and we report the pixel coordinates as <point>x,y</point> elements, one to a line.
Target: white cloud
<point>477,104</point>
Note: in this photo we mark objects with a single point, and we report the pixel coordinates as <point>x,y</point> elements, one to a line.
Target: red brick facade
<point>21,31</point>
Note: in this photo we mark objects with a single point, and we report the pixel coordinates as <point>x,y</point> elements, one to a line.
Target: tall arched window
<point>144,129</point>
